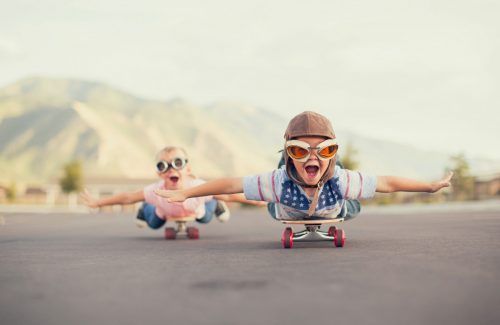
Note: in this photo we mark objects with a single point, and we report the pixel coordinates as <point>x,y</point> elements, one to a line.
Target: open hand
<point>172,195</point>
<point>444,182</point>
<point>88,199</point>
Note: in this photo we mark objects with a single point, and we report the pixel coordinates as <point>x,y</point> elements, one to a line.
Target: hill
<point>44,123</point>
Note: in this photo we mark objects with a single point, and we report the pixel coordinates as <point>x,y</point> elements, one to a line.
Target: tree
<point>11,192</point>
<point>72,180</point>
<point>348,157</point>
<point>462,181</point>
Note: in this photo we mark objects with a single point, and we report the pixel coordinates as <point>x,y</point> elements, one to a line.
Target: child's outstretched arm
<point>240,198</point>
<point>215,187</point>
<point>389,184</point>
<point>120,198</point>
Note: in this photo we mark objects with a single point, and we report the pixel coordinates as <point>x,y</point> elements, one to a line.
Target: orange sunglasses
<point>301,151</point>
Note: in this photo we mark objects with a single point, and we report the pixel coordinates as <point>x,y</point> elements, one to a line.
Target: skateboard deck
<point>182,219</point>
<point>311,221</point>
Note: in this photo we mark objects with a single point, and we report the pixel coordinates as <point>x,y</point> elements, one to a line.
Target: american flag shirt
<point>293,203</point>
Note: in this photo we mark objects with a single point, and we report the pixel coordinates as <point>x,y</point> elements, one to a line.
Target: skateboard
<point>313,232</point>
<point>182,229</point>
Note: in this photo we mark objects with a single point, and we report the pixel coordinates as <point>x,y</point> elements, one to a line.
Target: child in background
<point>174,172</point>
<point>309,185</point>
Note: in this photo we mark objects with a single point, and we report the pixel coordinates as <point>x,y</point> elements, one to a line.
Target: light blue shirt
<point>293,202</point>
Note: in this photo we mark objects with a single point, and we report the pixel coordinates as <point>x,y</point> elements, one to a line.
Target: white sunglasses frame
<point>305,145</point>
<point>171,165</point>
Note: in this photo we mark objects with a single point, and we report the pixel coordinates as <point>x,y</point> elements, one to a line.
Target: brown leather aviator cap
<point>314,125</point>
<point>309,124</point>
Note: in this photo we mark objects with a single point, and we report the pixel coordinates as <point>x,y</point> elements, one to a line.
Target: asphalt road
<point>398,268</point>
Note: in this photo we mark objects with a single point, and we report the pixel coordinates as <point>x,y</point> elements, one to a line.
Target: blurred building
<point>487,187</point>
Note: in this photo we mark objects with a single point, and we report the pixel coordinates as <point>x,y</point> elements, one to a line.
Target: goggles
<point>177,163</point>
<point>301,151</point>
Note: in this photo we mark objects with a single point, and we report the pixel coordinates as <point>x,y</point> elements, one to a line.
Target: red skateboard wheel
<point>170,233</point>
<point>193,232</point>
<point>287,238</point>
<point>339,237</point>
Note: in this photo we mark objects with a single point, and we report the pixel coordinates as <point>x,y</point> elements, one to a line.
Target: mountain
<point>45,123</point>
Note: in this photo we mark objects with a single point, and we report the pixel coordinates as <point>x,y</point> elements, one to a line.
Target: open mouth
<point>174,179</point>
<point>311,171</point>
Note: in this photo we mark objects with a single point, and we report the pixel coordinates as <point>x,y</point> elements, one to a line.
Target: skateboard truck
<point>311,233</point>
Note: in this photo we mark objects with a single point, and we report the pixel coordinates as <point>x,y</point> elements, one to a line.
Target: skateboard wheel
<point>287,238</point>
<point>331,231</point>
<point>170,233</point>
<point>193,233</point>
<point>339,237</point>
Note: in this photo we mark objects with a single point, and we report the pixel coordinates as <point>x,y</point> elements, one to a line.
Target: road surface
<point>438,267</point>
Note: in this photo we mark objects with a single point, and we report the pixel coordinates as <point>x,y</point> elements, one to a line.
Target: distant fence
<point>51,195</point>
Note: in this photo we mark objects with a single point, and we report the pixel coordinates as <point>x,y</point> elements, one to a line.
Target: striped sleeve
<point>263,187</point>
<point>356,185</point>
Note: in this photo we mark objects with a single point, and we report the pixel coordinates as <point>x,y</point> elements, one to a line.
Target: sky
<point>425,73</point>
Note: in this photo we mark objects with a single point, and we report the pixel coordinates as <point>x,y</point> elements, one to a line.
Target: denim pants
<point>156,222</point>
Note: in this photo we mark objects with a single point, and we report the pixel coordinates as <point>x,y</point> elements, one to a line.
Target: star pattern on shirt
<point>329,197</point>
<point>292,196</point>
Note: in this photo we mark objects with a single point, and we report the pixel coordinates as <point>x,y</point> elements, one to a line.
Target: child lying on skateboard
<point>174,172</point>
<point>309,185</point>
